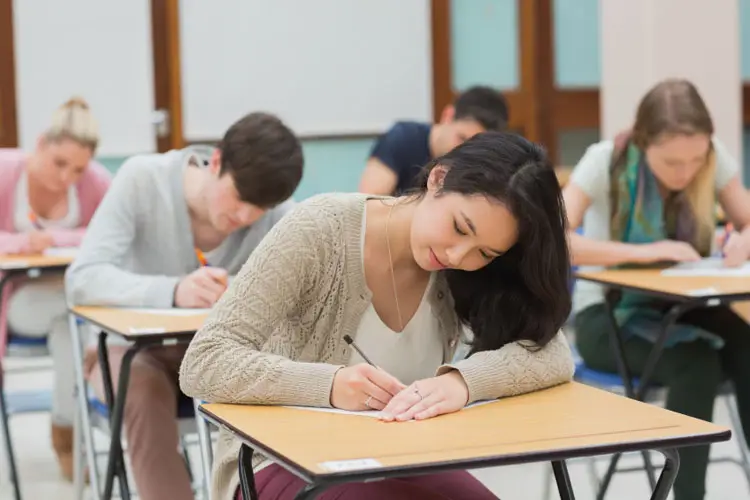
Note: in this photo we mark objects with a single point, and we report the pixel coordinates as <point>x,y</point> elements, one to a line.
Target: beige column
<point>645,41</point>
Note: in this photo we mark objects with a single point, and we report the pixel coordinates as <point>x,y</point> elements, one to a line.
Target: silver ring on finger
<point>416,391</point>
<point>367,402</point>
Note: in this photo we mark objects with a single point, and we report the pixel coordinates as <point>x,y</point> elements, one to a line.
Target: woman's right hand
<point>39,241</point>
<point>667,250</point>
<point>363,387</point>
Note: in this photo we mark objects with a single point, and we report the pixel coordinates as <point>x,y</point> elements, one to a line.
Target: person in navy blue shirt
<point>400,153</point>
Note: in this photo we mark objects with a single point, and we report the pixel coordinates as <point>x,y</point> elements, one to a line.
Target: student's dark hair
<point>522,295</point>
<point>485,105</point>
<point>264,158</point>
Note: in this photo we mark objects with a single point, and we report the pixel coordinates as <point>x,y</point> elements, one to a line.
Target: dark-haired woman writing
<point>480,247</point>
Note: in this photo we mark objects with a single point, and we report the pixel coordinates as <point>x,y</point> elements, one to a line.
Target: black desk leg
<point>640,392</point>
<point>563,480</point>
<point>116,405</point>
<point>604,484</point>
<point>9,444</point>
<point>4,277</point>
<point>668,474</point>
<point>247,476</point>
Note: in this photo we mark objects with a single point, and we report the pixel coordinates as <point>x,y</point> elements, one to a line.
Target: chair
<point>21,402</point>
<point>613,383</point>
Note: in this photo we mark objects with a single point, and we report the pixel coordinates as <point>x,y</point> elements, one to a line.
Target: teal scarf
<point>642,216</point>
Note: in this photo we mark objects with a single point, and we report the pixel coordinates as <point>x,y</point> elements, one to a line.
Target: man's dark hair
<point>264,158</point>
<point>484,105</point>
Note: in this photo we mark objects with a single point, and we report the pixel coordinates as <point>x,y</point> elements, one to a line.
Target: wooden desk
<point>680,288</point>
<point>571,420</point>
<point>143,329</point>
<point>685,293</point>
<point>143,326</point>
<point>12,266</point>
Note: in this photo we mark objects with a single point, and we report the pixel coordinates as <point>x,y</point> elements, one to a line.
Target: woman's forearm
<point>587,252</point>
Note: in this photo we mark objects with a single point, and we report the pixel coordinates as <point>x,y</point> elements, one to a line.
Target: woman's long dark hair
<point>523,294</point>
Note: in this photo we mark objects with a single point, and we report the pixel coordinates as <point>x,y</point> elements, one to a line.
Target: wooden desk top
<point>133,325</point>
<point>562,422</point>
<point>680,287</point>
<point>24,262</point>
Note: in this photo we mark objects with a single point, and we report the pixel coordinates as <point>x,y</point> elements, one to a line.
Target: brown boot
<point>62,442</point>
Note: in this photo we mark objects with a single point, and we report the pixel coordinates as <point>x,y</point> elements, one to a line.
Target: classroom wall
<point>336,164</point>
<point>577,46</point>
<point>479,28</point>
<point>330,165</point>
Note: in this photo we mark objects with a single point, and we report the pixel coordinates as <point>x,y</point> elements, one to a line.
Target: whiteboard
<point>101,51</point>
<point>325,67</point>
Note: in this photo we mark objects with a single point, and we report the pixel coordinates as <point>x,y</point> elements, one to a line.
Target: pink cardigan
<point>91,188</point>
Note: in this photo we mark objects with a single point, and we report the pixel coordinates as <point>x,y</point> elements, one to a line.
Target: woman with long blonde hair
<point>649,196</point>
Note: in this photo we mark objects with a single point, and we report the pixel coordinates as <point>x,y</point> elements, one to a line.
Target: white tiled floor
<point>41,480</point>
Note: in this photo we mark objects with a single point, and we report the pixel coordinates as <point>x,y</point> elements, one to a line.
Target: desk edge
<point>154,338</point>
<point>467,464</point>
<point>724,297</point>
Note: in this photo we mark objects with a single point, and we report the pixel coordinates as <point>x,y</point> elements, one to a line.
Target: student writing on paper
<point>399,155</point>
<point>479,245</point>
<point>164,214</point>
<point>47,198</point>
<point>649,196</point>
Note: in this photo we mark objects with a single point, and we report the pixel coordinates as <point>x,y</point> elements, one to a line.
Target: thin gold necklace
<point>393,275</point>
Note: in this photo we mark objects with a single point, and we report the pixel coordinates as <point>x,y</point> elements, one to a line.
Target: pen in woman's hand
<point>350,341</point>
<point>728,228</point>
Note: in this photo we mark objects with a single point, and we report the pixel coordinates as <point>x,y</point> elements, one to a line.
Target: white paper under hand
<point>371,413</point>
<point>708,267</point>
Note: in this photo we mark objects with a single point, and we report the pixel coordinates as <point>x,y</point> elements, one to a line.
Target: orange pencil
<point>33,219</point>
<point>201,257</point>
<point>204,261</point>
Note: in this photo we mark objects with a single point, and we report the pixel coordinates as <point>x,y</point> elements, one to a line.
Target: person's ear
<point>214,164</point>
<point>436,178</point>
<point>448,114</point>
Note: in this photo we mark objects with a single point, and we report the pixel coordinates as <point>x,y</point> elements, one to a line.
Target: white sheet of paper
<point>709,267</point>
<point>166,312</point>
<point>372,413</point>
<point>61,252</point>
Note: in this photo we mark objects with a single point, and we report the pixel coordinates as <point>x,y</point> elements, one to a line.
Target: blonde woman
<point>647,197</point>
<point>47,198</point>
